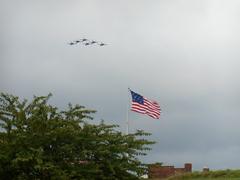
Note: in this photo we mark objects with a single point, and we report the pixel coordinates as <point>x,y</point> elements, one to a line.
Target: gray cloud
<point>184,54</point>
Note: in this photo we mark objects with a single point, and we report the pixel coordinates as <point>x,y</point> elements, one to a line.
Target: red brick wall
<point>188,167</point>
<point>180,170</point>
<point>157,171</point>
<point>160,171</point>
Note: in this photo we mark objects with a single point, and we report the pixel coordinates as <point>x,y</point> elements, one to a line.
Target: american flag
<point>142,105</point>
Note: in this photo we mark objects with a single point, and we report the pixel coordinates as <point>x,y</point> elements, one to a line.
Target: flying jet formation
<point>93,42</point>
<point>102,44</point>
<point>86,42</point>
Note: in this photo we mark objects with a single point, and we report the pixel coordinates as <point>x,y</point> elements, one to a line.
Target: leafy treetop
<point>37,141</point>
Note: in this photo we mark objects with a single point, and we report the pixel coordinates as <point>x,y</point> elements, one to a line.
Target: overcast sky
<point>182,53</point>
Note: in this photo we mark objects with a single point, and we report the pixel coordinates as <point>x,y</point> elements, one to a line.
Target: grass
<point>211,175</point>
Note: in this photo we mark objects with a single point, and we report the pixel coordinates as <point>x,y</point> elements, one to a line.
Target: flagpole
<point>127,115</point>
<point>127,123</point>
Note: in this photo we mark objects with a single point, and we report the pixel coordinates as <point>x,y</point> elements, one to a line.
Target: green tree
<point>37,141</point>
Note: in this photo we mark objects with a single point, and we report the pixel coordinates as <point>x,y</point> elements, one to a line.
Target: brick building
<point>159,171</point>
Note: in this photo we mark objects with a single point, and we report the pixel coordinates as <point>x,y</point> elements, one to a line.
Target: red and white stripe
<point>150,108</point>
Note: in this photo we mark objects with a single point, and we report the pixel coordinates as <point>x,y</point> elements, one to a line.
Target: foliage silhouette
<point>37,141</point>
